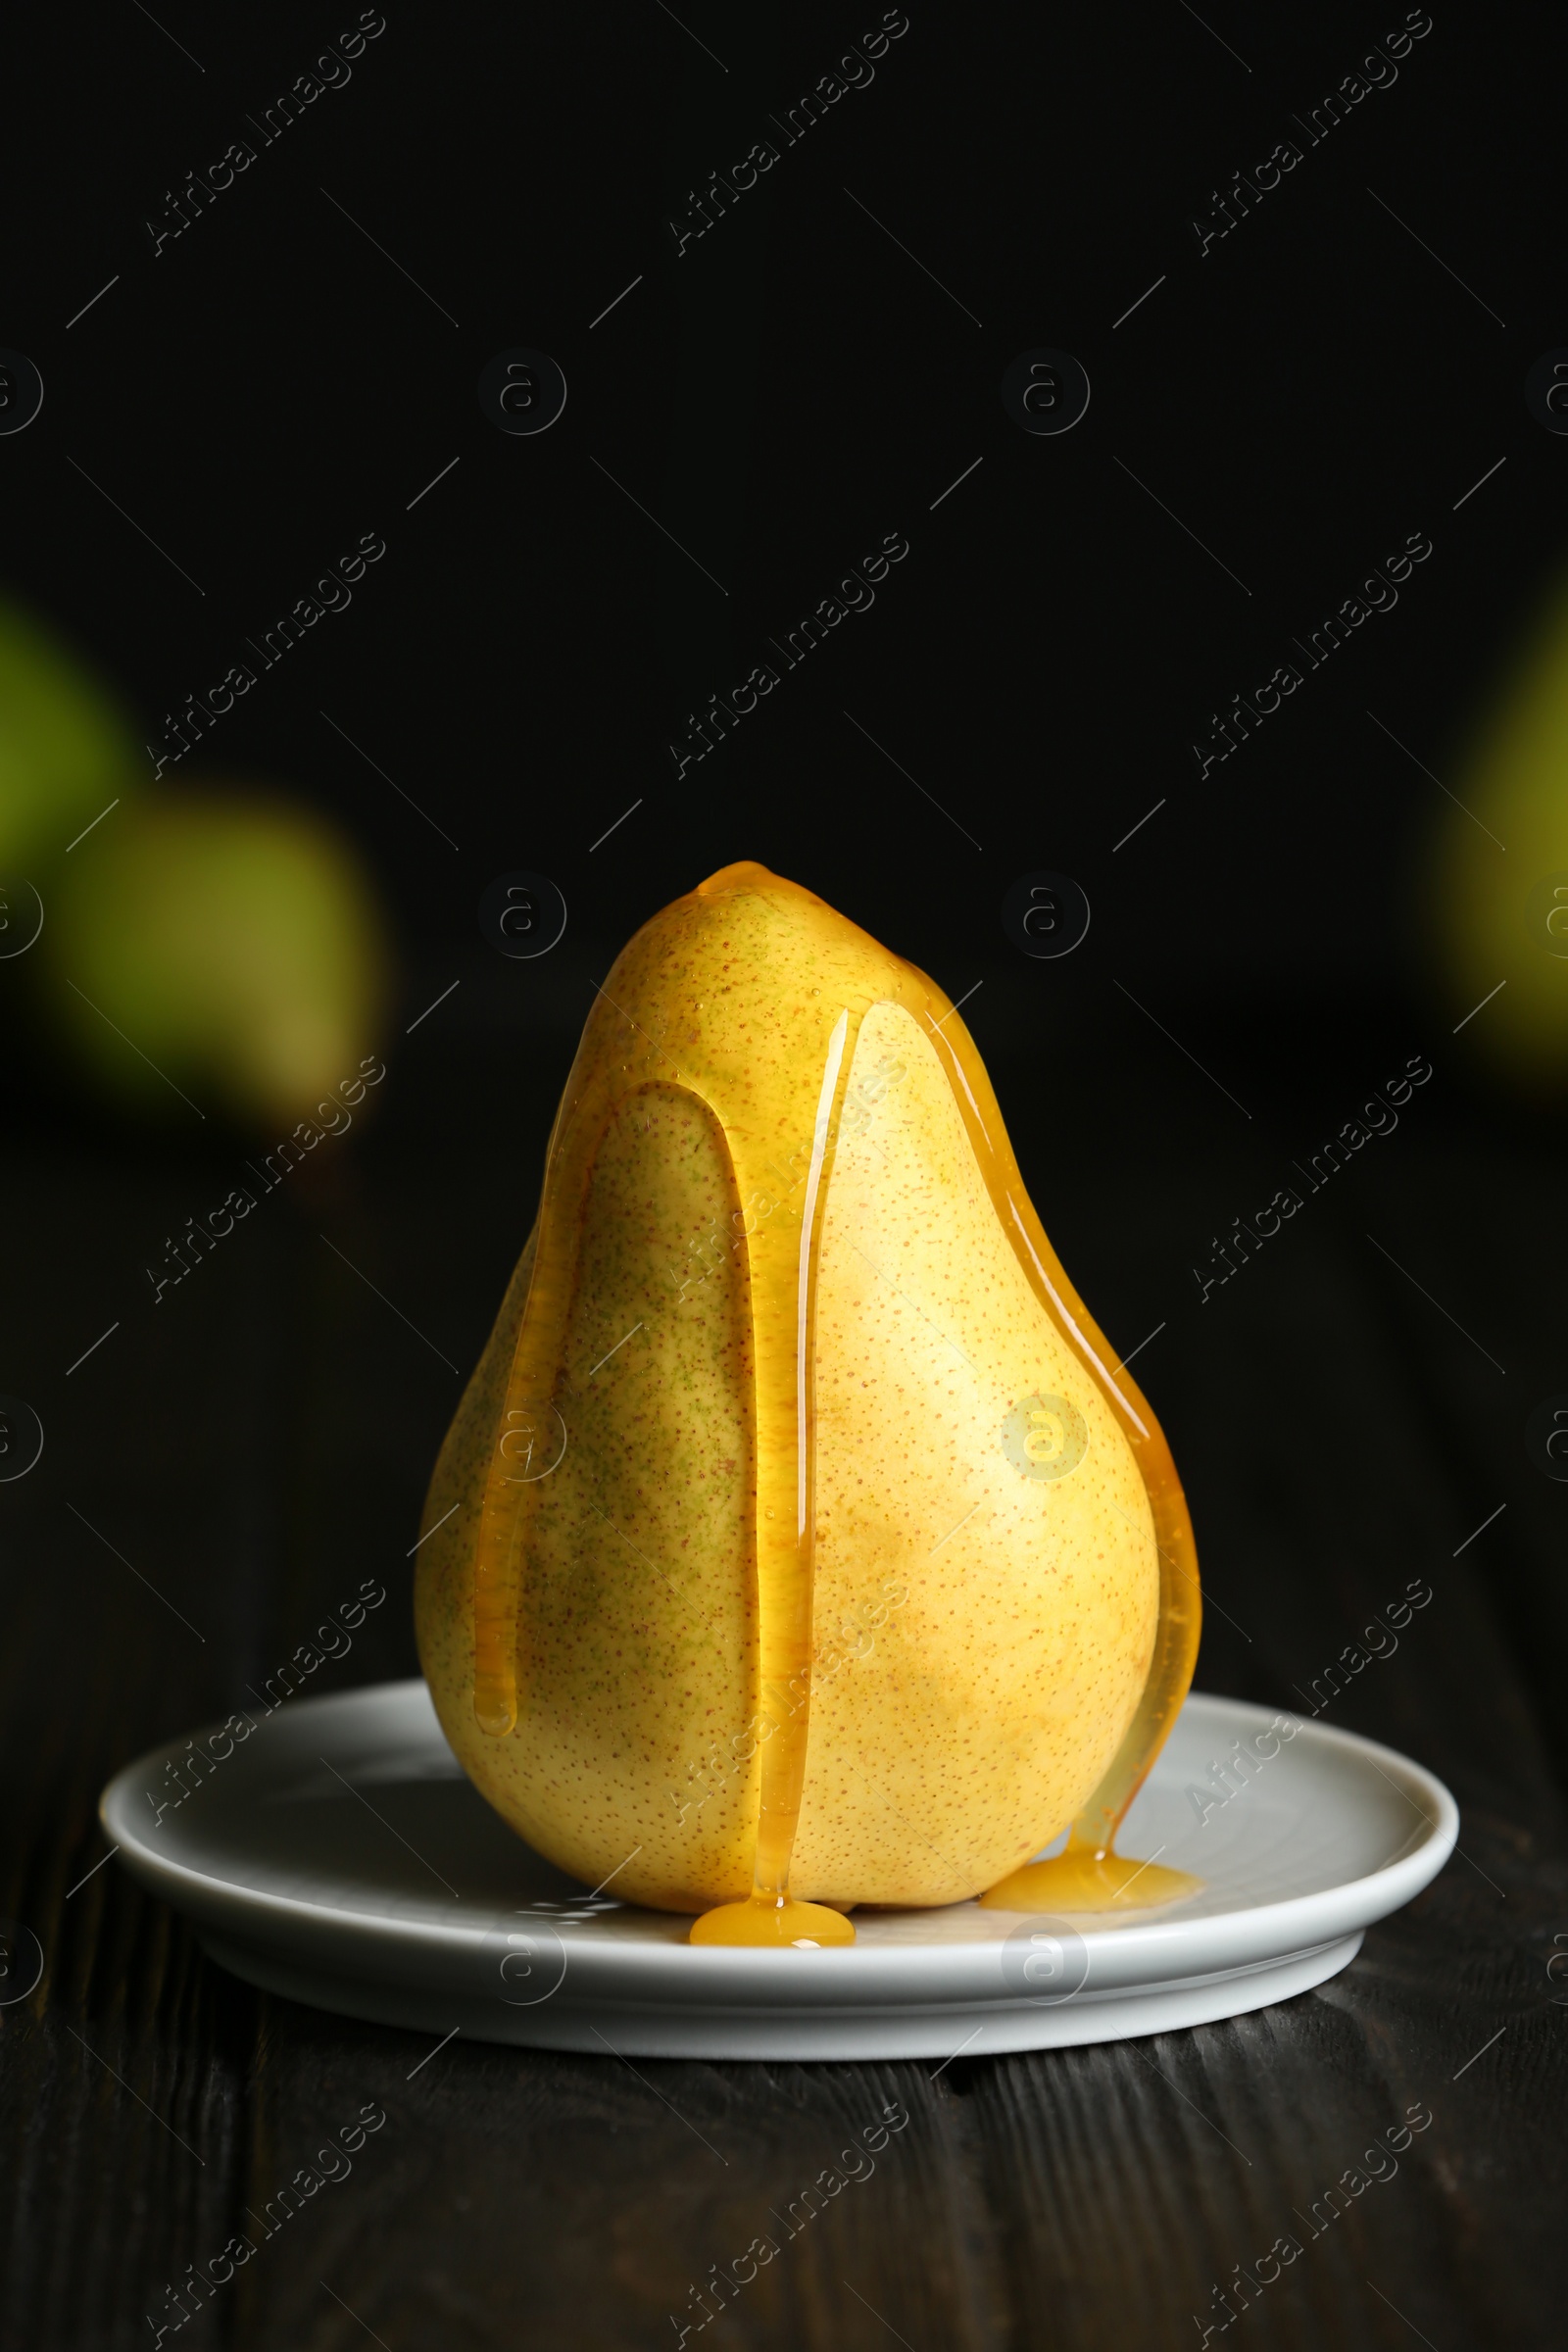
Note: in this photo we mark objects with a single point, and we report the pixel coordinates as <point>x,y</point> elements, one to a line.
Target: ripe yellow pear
<point>795,1544</point>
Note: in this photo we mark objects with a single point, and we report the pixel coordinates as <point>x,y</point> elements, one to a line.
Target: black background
<point>1304,396</point>
<point>787,391</point>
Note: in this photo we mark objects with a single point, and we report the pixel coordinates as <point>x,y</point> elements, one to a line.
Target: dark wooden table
<point>240,1456</point>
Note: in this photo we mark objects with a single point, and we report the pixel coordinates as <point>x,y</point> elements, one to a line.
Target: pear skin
<point>795,1532</point>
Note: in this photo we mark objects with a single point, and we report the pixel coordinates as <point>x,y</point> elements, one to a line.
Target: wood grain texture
<point>1337,1437</point>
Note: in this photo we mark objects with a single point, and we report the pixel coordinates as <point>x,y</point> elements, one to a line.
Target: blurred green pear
<point>231,939</point>
<point>65,750</point>
<point>1498,877</point>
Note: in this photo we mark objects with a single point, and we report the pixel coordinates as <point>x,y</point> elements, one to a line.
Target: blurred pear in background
<point>221,940</point>
<point>1499,878</point>
<point>235,938</point>
<point>64,748</point>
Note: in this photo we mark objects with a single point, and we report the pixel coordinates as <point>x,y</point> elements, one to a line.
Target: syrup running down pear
<point>796,1545</point>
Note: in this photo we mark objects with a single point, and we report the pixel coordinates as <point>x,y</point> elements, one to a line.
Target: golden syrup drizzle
<point>786,1562</point>
<point>760,1093</point>
<point>1082,1878</point>
<point>1087,1875</point>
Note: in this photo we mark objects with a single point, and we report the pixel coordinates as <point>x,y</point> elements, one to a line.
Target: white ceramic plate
<point>340,1857</point>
